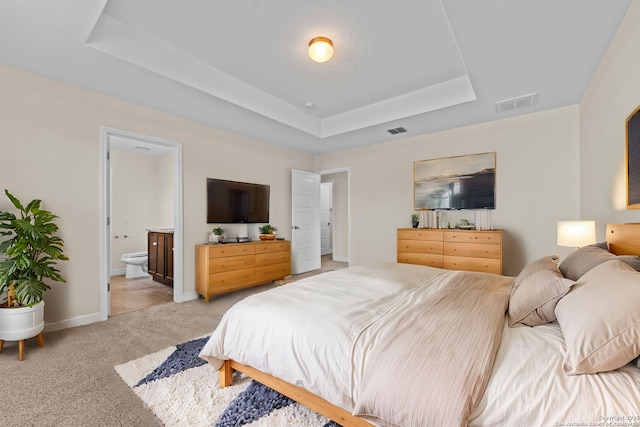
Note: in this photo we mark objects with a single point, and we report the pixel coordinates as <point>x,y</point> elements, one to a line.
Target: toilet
<point>136,264</point>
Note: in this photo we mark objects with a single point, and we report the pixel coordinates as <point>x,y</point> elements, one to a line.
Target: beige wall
<point>612,95</point>
<point>50,138</point>
<point>537,183</point>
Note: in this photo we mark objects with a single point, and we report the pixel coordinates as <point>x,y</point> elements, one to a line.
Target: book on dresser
<point>453,249</point>
<point>232,266</point>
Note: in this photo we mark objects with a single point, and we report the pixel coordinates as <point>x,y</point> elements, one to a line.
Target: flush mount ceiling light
<point>320,49</point>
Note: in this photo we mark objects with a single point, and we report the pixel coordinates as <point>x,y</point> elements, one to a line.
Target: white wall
<point>340,214</point>
<point>537,183</point>
<point>612,95</point>
<point>50,138</point>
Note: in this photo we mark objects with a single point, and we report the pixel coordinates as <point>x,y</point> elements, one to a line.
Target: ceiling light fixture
<point>320,49</point>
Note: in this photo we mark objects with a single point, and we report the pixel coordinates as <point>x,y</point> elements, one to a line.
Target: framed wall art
<point>632,154</point>
<point>461,182</point>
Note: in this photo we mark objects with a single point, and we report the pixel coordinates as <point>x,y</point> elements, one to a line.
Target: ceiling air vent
<point>518,102</point>
<point>395,131</point>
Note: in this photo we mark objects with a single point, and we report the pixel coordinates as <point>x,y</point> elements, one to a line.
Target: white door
<point>305,217</point>
<point>326,245</point>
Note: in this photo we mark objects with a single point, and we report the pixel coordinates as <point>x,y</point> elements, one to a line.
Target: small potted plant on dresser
<point>415,220</point>
<point>267,232</point>
<point>218,233</point>
<point>29,253</point>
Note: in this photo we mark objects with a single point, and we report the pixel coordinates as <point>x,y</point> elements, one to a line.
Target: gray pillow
<point>584,259</point>
<point>631,260</point>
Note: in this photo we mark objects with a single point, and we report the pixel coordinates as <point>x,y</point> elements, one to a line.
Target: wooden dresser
<point>471,250</point>
<point>232,266</point>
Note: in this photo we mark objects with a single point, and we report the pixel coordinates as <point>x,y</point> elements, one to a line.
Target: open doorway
<point>334,215</point>
<point>140,190</point>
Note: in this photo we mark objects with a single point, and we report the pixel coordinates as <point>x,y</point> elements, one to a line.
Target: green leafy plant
<point>218,231</point>
<point>267,229</point>
<point>415,217</point>
<point>29,251</point>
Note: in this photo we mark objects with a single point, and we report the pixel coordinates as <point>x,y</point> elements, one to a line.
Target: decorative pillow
<point>631,260</point>
<point>600,319</point>
<point>584,259</point>
<point>535,292</point>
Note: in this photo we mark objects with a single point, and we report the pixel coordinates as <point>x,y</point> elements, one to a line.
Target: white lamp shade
<point>320,49</point>
<point>576,233</point>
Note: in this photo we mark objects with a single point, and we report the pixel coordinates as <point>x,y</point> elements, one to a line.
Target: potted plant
<point>415,220</point>
<point>267,232</point>
<point>219,232</point>
<point>29,253</point>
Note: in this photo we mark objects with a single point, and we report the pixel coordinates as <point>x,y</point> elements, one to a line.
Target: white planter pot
<point>21,323</point>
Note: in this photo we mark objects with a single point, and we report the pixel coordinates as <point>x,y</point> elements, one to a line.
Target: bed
<point>406,345</point>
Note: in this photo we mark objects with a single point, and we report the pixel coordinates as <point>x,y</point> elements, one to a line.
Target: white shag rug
<point>182,394</point>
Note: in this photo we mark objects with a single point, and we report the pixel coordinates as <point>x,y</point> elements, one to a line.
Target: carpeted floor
<point>71,380</point>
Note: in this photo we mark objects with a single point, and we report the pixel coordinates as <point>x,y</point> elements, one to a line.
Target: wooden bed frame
<point>300,395</point>
<point>623,239</point>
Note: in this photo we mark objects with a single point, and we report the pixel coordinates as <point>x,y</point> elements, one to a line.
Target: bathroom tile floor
<point>135,294</point>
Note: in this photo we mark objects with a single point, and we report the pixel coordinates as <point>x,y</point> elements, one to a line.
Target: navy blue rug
<point>182,389</point>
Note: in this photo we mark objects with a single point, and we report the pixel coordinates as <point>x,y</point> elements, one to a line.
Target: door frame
<point>104,208</point>
<point>347,170</point>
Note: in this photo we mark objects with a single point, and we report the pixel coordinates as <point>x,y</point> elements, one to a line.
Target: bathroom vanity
<point>160,249</point>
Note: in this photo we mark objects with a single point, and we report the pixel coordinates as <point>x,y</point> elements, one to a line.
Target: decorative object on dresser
<point>229,267</point>
<point>160,249</point>
<point>217,235</point>
<point>267,232</point>
<point>461,182</point>
<point>415,220</point>
<point>471,250</point>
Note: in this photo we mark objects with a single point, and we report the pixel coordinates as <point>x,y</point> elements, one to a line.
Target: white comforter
<point>319,333</point>
<point>305,332</point>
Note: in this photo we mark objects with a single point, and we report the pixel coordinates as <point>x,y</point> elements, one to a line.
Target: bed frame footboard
<point>300,395</point>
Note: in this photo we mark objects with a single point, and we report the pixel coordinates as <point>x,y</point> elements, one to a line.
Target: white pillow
<point>535,292</point>
<point>600,319</point>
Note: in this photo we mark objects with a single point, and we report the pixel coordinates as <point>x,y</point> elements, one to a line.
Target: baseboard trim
<point>70,323</point>
<point>118,271</point>
<point>340,259</point>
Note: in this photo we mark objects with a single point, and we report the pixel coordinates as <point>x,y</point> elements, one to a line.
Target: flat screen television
<point>232,202</point>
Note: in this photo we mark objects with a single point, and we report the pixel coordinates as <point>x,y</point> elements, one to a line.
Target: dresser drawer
<point>490,237</point>
<point>477,250</point>
<point>283,246</point>
<point>231,279</point>
<point>272,272</point>
<point>217,251</point>
<point>420,246</point>
<point>431,260</point>
<point>486,265</point>
<point>419,234</point>
<point>271,258</point>
<point>231,263</point>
